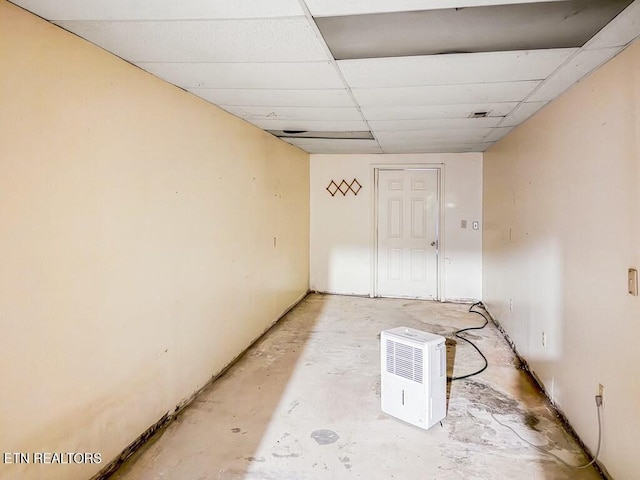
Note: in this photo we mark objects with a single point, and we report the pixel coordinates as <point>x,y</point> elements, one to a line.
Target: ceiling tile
<point>343,134</point>
<point>579,66</point>
<point>435,124</point>
<point>437,148</point>
<point>160,9</point>
<point>453,69</point>
<point>277,98</point>
<point>264,40</point>
<point>295,113</point>
<point>444,94</point>
<point>497,28</point>
<point>521,113</point>
<point>311,125</point>
<point>620,31</point>
<point>497,133</point>
<point>321,145</point>
<point>294,76</point>
<point>351,7</point>
<point>437,111</point>
<point>422,137</point>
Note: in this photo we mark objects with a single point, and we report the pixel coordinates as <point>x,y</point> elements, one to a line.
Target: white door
<point>407,238</point>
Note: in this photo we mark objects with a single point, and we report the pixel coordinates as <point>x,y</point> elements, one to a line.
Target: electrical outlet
<point>600,396</point>
<point>463,224</point>
<point>511,304</point>
<point>544,339</point>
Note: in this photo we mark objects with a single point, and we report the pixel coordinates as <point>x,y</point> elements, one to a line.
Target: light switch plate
<point>476,225</point>
<point>633,281</point>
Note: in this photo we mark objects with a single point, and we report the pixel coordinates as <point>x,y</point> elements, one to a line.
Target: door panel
<point>394,256</point>
<point>418,218</point>
<point>407,226</point>
<point>395,217</point>
<point>418,265</point>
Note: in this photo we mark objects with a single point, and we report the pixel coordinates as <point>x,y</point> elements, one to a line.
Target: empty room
<point>319,239</point>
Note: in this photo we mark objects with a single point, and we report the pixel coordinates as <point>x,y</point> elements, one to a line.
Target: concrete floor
<point>304,403</point>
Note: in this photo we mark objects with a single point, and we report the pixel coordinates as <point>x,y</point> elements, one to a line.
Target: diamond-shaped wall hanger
<point>344,187</point>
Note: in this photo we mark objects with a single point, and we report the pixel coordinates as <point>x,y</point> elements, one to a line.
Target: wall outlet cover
<point>633,281</point>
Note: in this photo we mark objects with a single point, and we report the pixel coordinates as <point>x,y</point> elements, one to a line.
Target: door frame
<point>375,170</point>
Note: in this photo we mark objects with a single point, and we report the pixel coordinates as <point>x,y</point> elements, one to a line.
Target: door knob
<point>433,244</point>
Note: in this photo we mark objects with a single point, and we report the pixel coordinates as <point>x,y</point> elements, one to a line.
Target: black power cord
<point>458,332</point>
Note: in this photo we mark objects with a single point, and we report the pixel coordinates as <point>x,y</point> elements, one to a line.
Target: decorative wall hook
<point>343,187</point>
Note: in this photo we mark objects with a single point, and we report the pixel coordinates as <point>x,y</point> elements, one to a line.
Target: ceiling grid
<point>363,76</point>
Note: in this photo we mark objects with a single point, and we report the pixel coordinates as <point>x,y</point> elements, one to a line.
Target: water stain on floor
<point>324,437</point>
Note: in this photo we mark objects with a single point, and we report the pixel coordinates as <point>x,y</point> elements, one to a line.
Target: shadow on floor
<point>229,418</point>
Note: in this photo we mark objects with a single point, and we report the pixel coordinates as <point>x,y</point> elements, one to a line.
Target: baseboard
<point>524,365</point>
<point>170,416</point>
<point>462,300</point>
<point>465,301</point>
<point>341,294</point>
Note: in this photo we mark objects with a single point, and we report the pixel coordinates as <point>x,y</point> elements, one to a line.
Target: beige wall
<point>342,230</point>
<point>136,244</point>
<point>561,211</point>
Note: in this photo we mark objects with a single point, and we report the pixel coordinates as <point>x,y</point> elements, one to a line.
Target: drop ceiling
<point>363,76</point>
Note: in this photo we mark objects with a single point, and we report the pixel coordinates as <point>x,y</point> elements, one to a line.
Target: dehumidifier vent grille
<point>404,361</point>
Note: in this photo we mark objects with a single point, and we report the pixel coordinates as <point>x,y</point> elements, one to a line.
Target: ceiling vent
<point>481,114</point>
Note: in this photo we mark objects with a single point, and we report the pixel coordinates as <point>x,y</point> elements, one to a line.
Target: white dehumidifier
<point>413,380</point>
